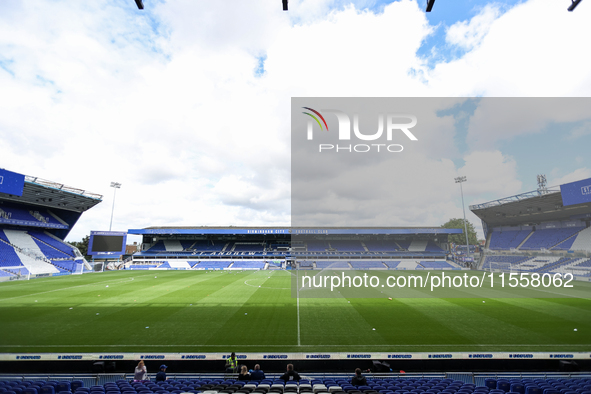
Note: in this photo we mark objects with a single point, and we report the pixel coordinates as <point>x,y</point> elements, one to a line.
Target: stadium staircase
<point>66,256</point>
<point>29,253</point>
<point>173,246</point>
<point>488,238</point>
<point>566,240</point>
<point>38,216</point>
<point>583,240</point>
<point>57,218</point>
<point>417,246</point>
<point>525,240</point>
<point>553,266</point>
<point>574,264</point>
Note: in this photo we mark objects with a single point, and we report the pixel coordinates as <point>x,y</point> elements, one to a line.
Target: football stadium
<point>311,197</point>
<point>328,299</point>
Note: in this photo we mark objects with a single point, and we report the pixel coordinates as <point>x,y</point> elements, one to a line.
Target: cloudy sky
<point>187,103</point>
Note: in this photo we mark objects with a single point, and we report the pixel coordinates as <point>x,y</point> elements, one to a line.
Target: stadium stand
<point>582,241</point>
<point>380,245</point>
<point>248,247</point>
<point>157,247</point>
<point>18,214</point>
<point>325,383</point>
<point>507,239</point>
<point>347,245</point>
<point>433,247</point>
<point>29,253</point>
<point>52,242</point>
<point>212,265</point>
<point>332,264</point>
<point>363,265</point>
<point>392,264</point>
<point>64,265</point>
<point>4,273</point>
<point>8,255</point>
<point>401,265</point>
<point>142,266</point>
<point>547,238</point>
<point>316,246</point>
<point>246,264</point>
<point>208,246</point>
<point>435,264</point>
<point>173,245</point>
<point>404,244</point>
<point>417,245</point>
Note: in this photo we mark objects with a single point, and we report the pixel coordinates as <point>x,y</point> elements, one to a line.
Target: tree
<point>82,245</point>
<point>461,238</point>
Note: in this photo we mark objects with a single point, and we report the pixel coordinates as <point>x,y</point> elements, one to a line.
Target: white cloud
<point>167,101</point>
<point>576,175</point>
<point>468,34</point>
<point>523,55</point>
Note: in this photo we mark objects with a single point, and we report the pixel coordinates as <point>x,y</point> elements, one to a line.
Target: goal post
<point>15,273</point>
<point>78,267</point>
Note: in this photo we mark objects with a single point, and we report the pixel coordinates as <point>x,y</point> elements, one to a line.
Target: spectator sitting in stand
<point>161,375</point>
<point>257,373</point>
<point>244,375</point>
<point>140,373</point>
<point>358,379</point>
<point>290,375</point>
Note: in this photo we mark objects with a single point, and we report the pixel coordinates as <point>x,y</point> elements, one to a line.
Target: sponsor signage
<point>578,192</point>
<point>294,356</point>
<point>11,182</point>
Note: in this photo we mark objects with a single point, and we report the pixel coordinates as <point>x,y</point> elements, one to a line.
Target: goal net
<point>15,273</point>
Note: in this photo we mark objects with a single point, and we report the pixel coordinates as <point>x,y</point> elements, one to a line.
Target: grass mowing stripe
<point>216,321</point>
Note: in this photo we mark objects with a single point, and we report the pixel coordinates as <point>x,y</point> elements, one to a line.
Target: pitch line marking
<point>67,288</point>
<point>266,345</point>
<point>298,307</point>
<point>264,287</point>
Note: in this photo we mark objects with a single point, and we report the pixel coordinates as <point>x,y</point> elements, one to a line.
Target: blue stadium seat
<point>529,389</point>
<point>47,389</point>
<point>517,388</point>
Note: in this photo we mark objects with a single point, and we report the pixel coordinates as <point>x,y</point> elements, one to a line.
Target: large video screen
<point>578,192</point>
<point>11,182</point>
<point>107,242</point>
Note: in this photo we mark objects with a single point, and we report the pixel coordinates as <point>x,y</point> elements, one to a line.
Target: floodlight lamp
<point>574,5</point>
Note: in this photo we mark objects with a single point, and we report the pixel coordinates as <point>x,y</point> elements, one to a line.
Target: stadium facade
<point>36,215</point>
<point>293,247</point>
<point>543,231</point>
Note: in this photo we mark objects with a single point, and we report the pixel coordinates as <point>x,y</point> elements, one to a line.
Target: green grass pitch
<point>222,311</point>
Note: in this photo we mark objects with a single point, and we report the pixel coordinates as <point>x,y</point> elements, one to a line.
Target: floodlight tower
<point>542,189</point>
<point>115,186</point>
<point>460,180</point>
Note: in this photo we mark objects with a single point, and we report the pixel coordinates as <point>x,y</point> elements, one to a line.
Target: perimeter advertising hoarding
<point>11,182</point>
<point>578,192</point>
